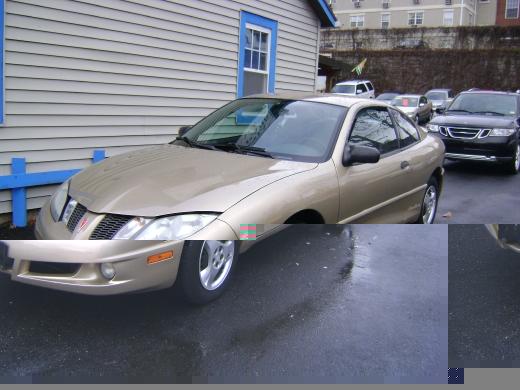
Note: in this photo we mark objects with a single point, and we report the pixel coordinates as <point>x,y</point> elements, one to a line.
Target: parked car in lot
<point>387,97</point>
<point>201,268</point>
<point>440,97</point>
<point>507,236</point>
<point>265,160</point>
<point>357,88</point>
<point>417,107</point>
<point>481,126</point>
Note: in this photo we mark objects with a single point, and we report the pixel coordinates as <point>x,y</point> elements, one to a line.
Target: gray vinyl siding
<point>123,74</point>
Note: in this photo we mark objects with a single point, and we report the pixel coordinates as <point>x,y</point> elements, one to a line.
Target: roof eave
<point>325,14</point>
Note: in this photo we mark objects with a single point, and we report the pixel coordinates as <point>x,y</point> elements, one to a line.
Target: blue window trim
<point>245,18</point>
<point>330,16</point>
<point>2,27</point>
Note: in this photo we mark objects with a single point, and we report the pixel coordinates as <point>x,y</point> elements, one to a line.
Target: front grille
<point>109,226</point>
<point>75,217</point>
<point>467,133</point>
<point>49,268</point>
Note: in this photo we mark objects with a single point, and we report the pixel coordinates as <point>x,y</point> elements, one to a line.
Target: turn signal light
<point>160,257</point>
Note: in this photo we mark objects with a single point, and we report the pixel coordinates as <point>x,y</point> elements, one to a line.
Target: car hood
<point>482,121</point>
<point>170,179</point>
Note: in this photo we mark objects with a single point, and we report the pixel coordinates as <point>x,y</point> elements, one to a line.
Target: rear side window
<point>374,127</point>
<point>370,87</point>
<point>361,87</point>
<point>408,133</point>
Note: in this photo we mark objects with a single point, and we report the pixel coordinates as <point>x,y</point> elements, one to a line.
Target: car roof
<point>353,82</point>
<point>330,98</point>
<point>410,95</point>
<point>439,90</point>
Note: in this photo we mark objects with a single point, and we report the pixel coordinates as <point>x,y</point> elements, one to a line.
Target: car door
<point>371,193</point>
<point>363,90</point>
<point>414,156</point>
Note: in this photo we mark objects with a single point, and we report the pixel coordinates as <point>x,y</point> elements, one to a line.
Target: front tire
<point>205,269</point>
<point>429,202</point>
<point>514,165</point>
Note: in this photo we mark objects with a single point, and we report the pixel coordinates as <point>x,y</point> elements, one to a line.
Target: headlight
<point>501,132</point>
<point>433,128</point>
<point>175,227</point>
<point>58,201</point>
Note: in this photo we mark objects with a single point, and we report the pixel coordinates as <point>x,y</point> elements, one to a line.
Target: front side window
<point>447,19</point>
<point>357,21</point>
<point>415,18</point>
<point>408,133</point>
<point>362,88</point>
<point>512,7</point>
<point>286,129</point>
<point>256,68</point>
<point>373,127</point>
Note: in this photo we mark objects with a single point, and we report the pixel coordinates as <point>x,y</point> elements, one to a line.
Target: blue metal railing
<point>19,180</point>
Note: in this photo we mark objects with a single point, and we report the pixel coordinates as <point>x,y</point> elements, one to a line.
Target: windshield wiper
<point>469,112</point>
<point>194,144</point>
<point>488,112</point>
<point>244,149</point>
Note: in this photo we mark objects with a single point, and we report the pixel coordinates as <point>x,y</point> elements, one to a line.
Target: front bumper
<point>75,266</point>
<point>507,236</point>
<point>489,149</point>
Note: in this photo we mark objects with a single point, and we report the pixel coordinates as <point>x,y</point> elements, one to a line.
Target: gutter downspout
<point>461,11</point>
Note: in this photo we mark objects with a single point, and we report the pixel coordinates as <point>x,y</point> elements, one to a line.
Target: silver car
<point>417,107</point>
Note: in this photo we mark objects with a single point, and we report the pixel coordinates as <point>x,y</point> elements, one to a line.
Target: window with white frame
<point>415,18</point>
<point>256,60</point>
<point>512,7</point>
<point>385,20</point>
<point>357,21</point>
<point>447,17</point>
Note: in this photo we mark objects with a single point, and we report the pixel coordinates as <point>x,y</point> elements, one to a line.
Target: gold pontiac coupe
<point>201,268</point>
<point>258,160</point>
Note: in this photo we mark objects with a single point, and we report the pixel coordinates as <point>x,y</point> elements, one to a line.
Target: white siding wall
<point>123,74</point>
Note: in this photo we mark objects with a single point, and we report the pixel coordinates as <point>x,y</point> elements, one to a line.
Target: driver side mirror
<point>183,130</point>
<point>360,154</point>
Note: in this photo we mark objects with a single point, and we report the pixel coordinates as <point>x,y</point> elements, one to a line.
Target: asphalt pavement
<point>366,303</point>
<point>484,300</point>
<point>478,193</point>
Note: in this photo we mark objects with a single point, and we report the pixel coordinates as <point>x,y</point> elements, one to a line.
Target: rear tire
<point>430,202</point>
<point>514,165</point>
<point>205,269</point>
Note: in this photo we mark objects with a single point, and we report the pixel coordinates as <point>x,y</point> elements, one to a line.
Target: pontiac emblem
<point>82,224</point>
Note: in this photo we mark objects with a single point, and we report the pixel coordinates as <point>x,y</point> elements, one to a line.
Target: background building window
<point>385,20</point>
<point>257,59</point>
<point>357,21</point>
<point>512,9</point>
<point>447,17</point>
<point>415,18</point>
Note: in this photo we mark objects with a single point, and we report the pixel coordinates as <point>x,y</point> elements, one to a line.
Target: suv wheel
<point>205,269</point>
<point>429,203</point>
<point>514,165</point>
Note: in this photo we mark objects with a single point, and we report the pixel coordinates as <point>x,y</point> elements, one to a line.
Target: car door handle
<point>404,164</point>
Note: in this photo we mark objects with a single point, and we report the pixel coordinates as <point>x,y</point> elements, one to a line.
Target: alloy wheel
<point>429,205</point>
<point>215,261</point>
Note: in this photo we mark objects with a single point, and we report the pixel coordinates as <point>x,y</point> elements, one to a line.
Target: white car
<point>357,88</point>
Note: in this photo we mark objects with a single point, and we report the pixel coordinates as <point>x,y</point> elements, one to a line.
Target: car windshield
<point>344,89</point>
<point>386,96</point>
<point>437,95</point>
<point>480,103</point>
<point>285,129</point>
<point>404,101</point>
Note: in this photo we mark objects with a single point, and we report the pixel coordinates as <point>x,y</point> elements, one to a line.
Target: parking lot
<point>484,300</point>
<point>478,193</point>
<point>311,304</point>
